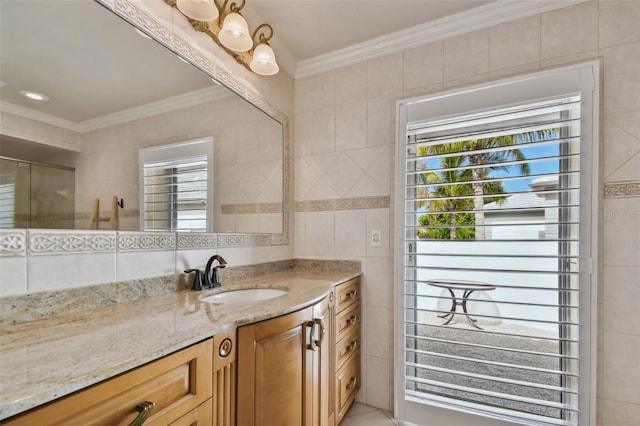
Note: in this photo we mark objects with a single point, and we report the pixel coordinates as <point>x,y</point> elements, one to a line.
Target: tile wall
<point>344,166</point>
<point>38,260</point>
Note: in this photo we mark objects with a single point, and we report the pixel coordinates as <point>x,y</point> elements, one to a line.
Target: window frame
<point>176,151</point>
<point>508,91</point>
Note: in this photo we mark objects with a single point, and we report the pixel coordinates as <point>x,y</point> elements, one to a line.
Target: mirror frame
<point>214,67</point>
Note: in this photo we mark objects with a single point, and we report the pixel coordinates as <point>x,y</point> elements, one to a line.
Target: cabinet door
<point>275,371</point>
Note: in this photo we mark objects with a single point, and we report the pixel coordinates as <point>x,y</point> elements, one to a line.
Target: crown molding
<point>481,17</point>
<point>186,100</point>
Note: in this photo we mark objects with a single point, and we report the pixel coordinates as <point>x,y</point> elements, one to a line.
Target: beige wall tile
<point>143,264</point>
<point>616,413</point>
<point>57,272</point>
<point>351,126</point>
<point>618,22</point>
<point>424,65</point>
<point>320,136</point>
<point>379,129</point>
<point>350,226</point>
<point>383,75</point>
<point>466,55</point>
<point>621,248</point>
<point>378,332</point>
<point>514,43</point>
<point>378,288</point>
<point>319,236</point>
<point>621,76</point>
<point>378,389</point>
<point>621,375</point>
<point>622,300</point>
<point>367,186</point>
<point>13,275</point>
<point>351,83</point>
<point>343,174</point>
<point>315,92</point>
<point>620,146</point>
<point>570,30</point>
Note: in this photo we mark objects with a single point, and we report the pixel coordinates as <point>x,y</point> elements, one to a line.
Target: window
<point>494,252</point>
<point>176,188</point>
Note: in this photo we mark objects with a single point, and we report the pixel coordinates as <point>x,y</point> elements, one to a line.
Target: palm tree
<point>442,196</point>
<point>451,191</point>
<point>486,154</point>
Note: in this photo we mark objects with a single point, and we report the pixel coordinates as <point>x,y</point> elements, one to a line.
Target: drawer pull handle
<point>144,409</point>
<point>352,294</point>
<point>352,320</point>
<point>312,334</point>
<point>320,323</point>
<point>352,383</point>
<point>353,346</point>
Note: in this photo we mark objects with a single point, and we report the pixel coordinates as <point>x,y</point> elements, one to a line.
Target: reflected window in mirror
<point>176,186</point>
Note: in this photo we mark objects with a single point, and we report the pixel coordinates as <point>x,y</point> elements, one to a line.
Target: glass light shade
<point>234,34</point>
<point>264,60</point>
<point>200,10</point>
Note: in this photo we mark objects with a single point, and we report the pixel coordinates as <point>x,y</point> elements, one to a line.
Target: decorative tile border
<point>143,241</point>
<point>70,242</point>
<point>622,189</point>
<point>13,242</point>
<point>249,208</point>
<point>379,202</point>
<point>197,241</point>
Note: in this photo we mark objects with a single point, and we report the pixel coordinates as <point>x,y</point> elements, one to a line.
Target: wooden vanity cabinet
<point>346,355</point>
<point>284,370</point>
<point>178,384</point>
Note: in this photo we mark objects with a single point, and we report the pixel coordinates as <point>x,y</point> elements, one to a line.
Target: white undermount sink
<point>244,295</point>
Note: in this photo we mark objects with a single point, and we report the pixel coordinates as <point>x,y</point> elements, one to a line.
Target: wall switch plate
<point>376,238</point>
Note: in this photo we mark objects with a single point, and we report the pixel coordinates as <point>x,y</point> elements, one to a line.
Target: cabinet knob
<point>352,320</point>
<point>352,294</point>
<point>144,409</point>
<point>353,346</point>
<point>225,348</point>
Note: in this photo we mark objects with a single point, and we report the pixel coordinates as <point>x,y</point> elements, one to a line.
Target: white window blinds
<point>176,186</point>
<point>492,261</point>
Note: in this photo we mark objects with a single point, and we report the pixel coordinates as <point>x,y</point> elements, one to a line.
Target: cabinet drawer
<point>347,294</point>
<point>347,384</point>
<point>347,320</point>
<point>347,347</point>
<point>176,384</point>
<point>201,416</point>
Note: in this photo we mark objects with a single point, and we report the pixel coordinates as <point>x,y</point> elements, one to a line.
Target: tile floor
<point>364,415</point>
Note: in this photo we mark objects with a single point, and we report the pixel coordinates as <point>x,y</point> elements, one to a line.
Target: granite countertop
<point>48,358</point>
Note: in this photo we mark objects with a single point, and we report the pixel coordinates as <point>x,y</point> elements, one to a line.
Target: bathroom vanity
<point>176,359</point>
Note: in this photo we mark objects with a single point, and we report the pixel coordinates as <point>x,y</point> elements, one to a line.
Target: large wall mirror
<point>112,94</point>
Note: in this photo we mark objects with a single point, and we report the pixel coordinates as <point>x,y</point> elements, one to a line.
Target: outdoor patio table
<point>467,287</point>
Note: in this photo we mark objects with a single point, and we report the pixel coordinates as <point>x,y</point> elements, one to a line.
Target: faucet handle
<point>197,279</point>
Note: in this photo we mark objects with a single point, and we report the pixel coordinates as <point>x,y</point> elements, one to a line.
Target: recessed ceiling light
<point>34,95</point>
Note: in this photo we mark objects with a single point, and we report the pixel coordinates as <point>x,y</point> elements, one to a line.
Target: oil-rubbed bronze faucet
<point>209,278</point>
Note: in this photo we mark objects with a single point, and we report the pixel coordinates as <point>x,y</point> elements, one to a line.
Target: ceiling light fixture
<point>34,95</point>
<point>228,28</point>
